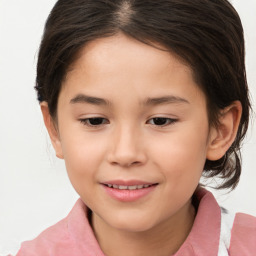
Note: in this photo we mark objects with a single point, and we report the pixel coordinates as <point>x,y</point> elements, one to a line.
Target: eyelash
<point>103,121</point>
<point>87,121</point>
<point>167,121</point>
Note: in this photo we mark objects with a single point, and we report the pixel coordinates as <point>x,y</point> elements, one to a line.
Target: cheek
<point>180,159</point>
<point>81,162</point>
<point>182,153</point>
<point>83,155</point>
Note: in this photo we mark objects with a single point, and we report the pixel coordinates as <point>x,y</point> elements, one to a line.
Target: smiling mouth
<point>128,191</point>
<point>133,187</point>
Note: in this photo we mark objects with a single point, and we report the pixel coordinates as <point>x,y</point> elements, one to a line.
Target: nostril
<point>133,163</point>
<point>136,163</point>
<point>126,164</point>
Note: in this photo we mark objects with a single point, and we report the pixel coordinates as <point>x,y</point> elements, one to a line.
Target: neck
<point>163,240</point>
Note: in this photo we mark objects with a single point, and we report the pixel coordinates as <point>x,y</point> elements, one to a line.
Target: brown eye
<point>161,121</point>
<point>94,121</point>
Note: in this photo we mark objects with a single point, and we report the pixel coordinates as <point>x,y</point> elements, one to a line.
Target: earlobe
<point>52,129</point>
<point>222,136</point>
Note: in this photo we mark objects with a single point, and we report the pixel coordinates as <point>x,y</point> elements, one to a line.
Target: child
<point>142,98</point>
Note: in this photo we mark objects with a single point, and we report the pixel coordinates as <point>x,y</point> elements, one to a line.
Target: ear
<point>51,127</point>
<point>222,136</point>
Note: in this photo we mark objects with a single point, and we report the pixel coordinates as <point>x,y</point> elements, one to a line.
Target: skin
<point>129,144</point>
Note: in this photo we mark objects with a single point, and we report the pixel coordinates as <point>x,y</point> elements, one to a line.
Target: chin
<point>132,224</point>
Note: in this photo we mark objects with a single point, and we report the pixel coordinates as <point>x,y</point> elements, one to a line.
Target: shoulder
<point>55,240</point>
<point>236,231</point>
<point>46,241</point>
<point>243,235</point>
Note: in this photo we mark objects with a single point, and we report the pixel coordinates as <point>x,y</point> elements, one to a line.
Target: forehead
<point>120,64</point>
<point>105,53</point>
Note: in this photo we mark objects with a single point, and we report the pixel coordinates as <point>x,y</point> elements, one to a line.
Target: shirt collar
<point>205,234</point>
<point>202,240</point>
<point>81,232</point>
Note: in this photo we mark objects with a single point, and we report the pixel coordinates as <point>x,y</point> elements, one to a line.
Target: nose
<point>127,148</point>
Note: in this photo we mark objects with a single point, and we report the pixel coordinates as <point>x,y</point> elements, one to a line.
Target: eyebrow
<point>82,98</point>
<point>165,100</point>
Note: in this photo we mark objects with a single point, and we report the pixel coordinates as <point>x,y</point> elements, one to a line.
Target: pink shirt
<point>73,236</point>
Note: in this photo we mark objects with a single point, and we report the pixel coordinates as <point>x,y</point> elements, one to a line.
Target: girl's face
<point>134,133</point>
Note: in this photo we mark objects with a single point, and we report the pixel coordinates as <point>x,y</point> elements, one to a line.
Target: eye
<point>161,121</point>
<point>94,121</point>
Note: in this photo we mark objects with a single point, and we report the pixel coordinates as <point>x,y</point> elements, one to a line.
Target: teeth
<point>132,187</point>
<point>122,187</point>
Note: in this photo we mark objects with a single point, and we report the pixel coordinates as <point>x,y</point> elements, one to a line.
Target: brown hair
<point>206,34</point>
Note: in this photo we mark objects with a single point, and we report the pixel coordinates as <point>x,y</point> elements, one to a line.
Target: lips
<point>132,187</point>
<point>128,191</point>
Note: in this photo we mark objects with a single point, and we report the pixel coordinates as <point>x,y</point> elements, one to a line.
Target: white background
<point>34,188</point>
